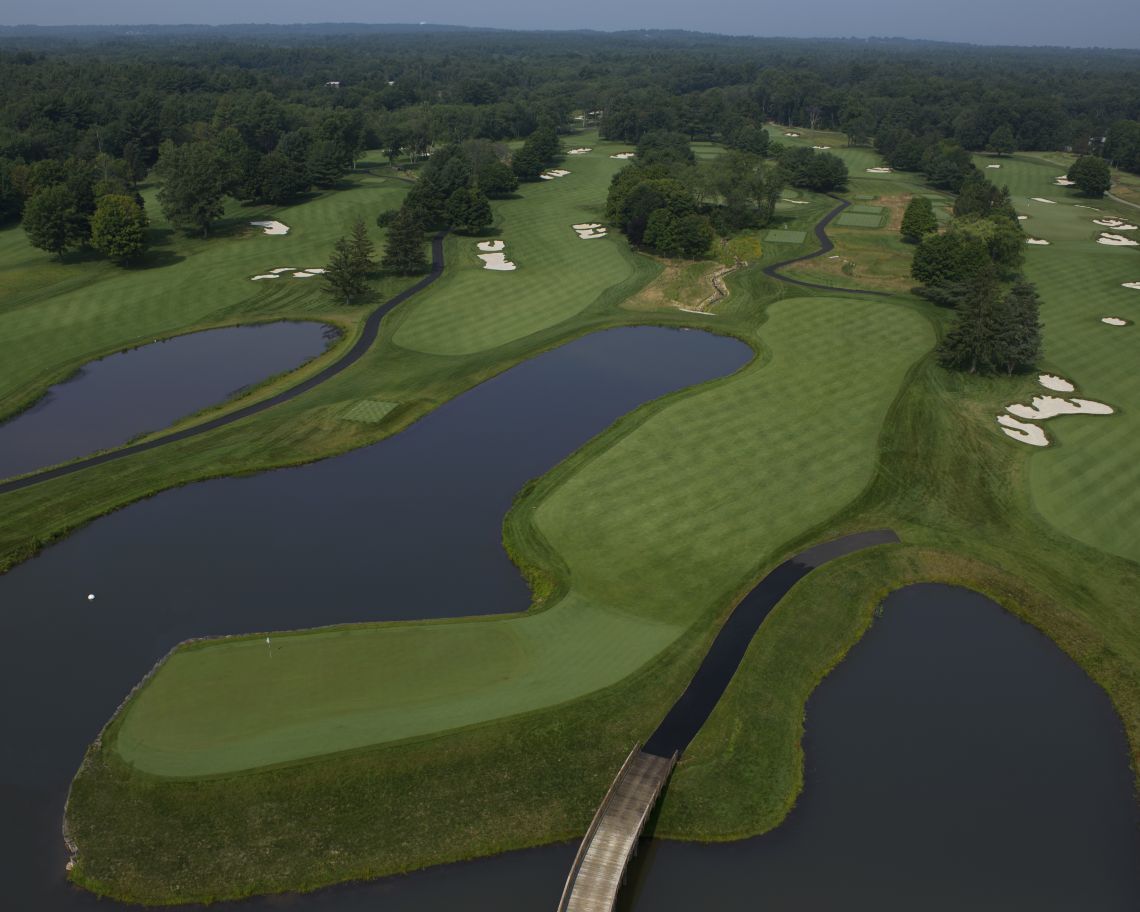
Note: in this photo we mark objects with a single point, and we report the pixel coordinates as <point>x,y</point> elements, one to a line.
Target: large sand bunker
<point>1118,224</point>
<point>272,227</point>
<point>1044,407</point>
<point>297,273</point>
<point>1040,242</point>
<point>493,257</point>
<point>1019,430</point>
<point>1114,321</point>
<point>879,171</point>
<point>624,155</point>
<point>1116,240</point>
<point>1135,285</point>
<point>553,173</point>
<point>589,230</point>
<point>1041,199</point>
<point>1053,382</point>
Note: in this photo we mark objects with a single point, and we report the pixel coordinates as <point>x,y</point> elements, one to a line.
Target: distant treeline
<point>315,96</point>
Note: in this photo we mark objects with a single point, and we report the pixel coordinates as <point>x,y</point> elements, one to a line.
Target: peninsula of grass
<point>638,545</point>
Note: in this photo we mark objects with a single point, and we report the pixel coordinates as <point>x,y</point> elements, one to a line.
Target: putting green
<point>1085,483</point>
<point>657,531</point>
<point>559,274</point>
<point>860,220</point>
<point>778,236</point>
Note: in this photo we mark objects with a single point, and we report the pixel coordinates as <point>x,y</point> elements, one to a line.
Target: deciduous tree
<point>118,228</point>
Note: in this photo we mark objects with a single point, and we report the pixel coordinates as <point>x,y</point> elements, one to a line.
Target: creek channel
<point>109,401</point>
<point>955,754</point>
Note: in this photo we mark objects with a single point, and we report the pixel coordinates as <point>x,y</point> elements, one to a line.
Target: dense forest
<point>273,111</point>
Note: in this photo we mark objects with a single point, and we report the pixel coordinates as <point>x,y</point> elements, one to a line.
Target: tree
<point>192,181</point>
<point>468,210</point>
<point>362,247</point>
<point>495,178</point>
<point>118,228</point>
<point>52,221</point>
<point>1002,141</point>
<point>949,259</point>
<point>404,249</point>
<point>325,163</point>
<point>345,274</point>
<point>280,179</point>
<point>1091,175</point>
<point>918,220</point>
<point>972,344</point>
<point>1021,337</point>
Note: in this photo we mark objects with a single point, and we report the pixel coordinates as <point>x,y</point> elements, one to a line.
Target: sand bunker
<point>553,173</point>
<point>1022,218</point>
<point>1079,206</point>
<point>1053,382</point>
<point>1065,182</point>
<point>1135,285</point>
<point>1116,240</point>
<point>491,246</point>
<point>267,276</point>
<point>993,166</point>
<point>283,269</point>
<point>1118,224</point>
<point>297,273</point>
<point>821,148</point>
<point>796,202</point>
<point>272,227</point>
<point>1041,199</point>
<point>624,155</point>
<point>1050,406</point>
<point>497,261</point>
<point>317,271</point>
<point>589,230</point>
<point>1019,430</point>
<point>1040,242</point>
<point>304,275</point>
<point>878,170</point>
<point>1114,321</point>
<point>792,134</point>
<point>579,151</point>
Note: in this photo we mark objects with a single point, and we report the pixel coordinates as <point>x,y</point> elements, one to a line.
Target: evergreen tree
<point>118,228</point>
<point>344,272</point>
<point>362,247</point>
<point>971,344</point>
<point>404,249</point>
<point>1091,175</point>
<point>53,222</point>
<point>1021,335</point>
<point>468,211</point>
<point>192,185</point>
<point>919,219</point>
<point>949,259</point>
<point>496,179</point>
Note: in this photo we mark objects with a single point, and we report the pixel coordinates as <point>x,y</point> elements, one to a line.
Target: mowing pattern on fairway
<point>370,411</point>
<point>1086,483</point>
<point>558,275</point>
<point>657,531</point>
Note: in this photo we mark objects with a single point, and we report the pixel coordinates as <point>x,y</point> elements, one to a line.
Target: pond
<point>109,401</point>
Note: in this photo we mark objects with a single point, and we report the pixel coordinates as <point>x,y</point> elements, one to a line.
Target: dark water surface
<point>408,528</point>
<point>111,400</point>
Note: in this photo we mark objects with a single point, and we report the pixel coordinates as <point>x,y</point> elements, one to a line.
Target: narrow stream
<point>118,397</point>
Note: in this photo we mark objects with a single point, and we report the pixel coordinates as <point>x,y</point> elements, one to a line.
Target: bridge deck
<point>609,844</point>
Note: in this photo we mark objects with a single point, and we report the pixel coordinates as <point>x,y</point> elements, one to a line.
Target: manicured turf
<point>860,220</point>
<point>558,274</point>
<point>629,524</point>
<point>776,236</point>
<point>1086,483</point>
<point>372,411</point>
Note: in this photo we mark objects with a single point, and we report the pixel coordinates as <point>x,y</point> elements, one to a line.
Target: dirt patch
<point>896,208</point>
<point>682,285</point>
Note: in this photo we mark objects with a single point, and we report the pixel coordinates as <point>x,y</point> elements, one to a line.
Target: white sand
<point>497,261</point>
<point>271,275</point>
<point>1026,433</point>
<point>821,148</point>
<point>546,177</point>
<point>304,275</point>
<point>1116,240</point>
<point>579,151</point>
<point>1115,223</point>
<point>1022,218</point>
<point>556,172</point>
<point>1049,406</point>
<point>993,166</point>
<point>272,227</point>
<point>1135,285</point>
<point>316,271</point>
<point>878,170</point>
<point>1053,382</point>
<point>624,155</point>
<point>491,246</point>
<point>1041,199</point>
<point>796,202</point>
<point>589,230</point>
<point>1114,321</point>
<point>1079,206</point>
<point>1040,242</point>
<point>1065,182</point>
<point>792,134</point>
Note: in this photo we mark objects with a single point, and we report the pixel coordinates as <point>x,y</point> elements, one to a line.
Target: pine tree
<point>970,344</point>
<point>404,249</point>
<point>919,219</point>
<point>469,211</point>
<point>1021,337</point>
<point>362,248</point>
<point>344,273</point>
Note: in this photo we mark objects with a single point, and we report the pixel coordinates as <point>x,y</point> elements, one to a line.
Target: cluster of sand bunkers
<point>553,173</point>
<point>1016,424</point>
<point>589,230</point>
<point>1109,239</point>
<point>272,227</point>
<point>277,273</point>
<point>493,256</point>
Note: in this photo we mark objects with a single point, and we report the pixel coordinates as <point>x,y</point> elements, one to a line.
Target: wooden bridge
<point>610,842</point>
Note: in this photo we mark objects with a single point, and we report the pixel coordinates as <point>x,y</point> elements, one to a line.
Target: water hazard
<point>111,400</point>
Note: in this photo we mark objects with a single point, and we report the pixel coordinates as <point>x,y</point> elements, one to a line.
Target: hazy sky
<point>1107,23</point>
